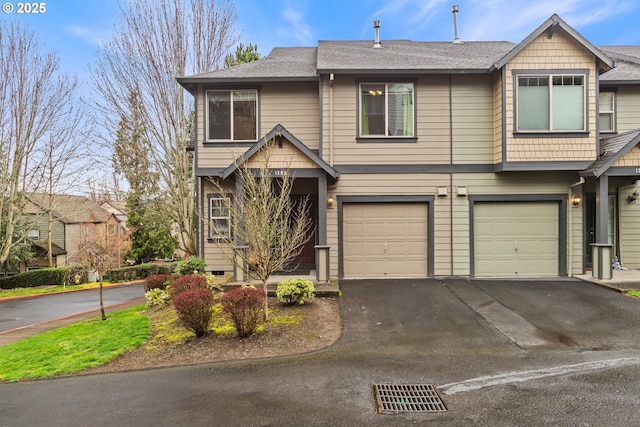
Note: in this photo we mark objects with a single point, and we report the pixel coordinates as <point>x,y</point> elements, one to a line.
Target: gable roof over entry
<point>612,150</point>
<point>280,131</point>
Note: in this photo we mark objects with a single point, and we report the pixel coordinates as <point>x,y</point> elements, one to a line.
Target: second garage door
<point>385,240</point>
<point>516,239</point>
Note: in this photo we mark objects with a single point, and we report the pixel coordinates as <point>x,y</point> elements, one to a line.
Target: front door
<point>590,226</point>
<point>307,258</point>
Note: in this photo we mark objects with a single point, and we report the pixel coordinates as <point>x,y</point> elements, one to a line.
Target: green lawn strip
<point>634,293</point>
<point>75,347</point>
<point>19,292</point>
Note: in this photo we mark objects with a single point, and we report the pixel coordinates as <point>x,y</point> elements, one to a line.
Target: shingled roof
<point>612,149</point>
<point>398,56</point>
<point>71,209</point>
<point>627,70</point>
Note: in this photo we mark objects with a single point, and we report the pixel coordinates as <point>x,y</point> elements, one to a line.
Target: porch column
<point>239,274</point>
<point>601,250</point>
<point>321,249</point>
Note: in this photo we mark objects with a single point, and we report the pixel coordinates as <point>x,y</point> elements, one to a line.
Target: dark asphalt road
<point>17,313</point>
<point>584,370</point>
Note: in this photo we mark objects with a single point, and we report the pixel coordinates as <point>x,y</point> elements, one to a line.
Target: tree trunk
<point>104,316</point>
<point>266,303</point>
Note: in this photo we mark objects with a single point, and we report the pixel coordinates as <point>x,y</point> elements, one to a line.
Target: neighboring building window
<point>387,109</point>
<point>111,229</point>
<point>553,103</point>
<point>219,218</point>
<point>34,234</point>
<point>232,115</point>
<point>607,112</point>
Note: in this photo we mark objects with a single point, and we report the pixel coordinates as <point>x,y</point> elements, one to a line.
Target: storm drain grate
<point>394,398</point>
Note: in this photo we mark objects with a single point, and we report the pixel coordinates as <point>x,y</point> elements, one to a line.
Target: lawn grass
<point>19,292</point>
<point>634,293</point>
<point>75,347</point>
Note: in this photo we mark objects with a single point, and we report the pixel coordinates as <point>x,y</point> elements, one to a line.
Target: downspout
<point>451,165</point>
<point>331,78</point>
<point>570,262</point>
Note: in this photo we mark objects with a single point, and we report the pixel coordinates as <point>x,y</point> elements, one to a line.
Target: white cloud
<point>296,27</point>
<point>87,34</point>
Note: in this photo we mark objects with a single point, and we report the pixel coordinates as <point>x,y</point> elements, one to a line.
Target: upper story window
<point>219,218</point>
<point>551,103</point>
<point>387,109</point>
<point>607,112</point>
<point>232,115</point>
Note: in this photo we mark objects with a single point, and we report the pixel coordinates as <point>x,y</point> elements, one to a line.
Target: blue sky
<point>74,28</point>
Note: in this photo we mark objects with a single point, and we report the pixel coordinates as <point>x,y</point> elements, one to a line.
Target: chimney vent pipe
<point>454,10</point>
<point>376,27</point>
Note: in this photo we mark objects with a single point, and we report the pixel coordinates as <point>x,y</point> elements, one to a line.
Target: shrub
<point>187,283</point>
<point>294,291</point>
<point>190,265</point>
<point>244,306</point>
<point>212,282</point>
<point>157,281</point>
<point>30,279</point>
<point>156,296</point>
<point>194,310</point>
<point>137,272</point>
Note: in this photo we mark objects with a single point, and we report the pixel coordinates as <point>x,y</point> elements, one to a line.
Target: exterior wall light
<point>633,197</point>
<point>330,201</point>
<point>576,200</point>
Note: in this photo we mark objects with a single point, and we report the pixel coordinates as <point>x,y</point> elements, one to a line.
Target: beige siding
<point>293,105</point>
<point>630,158</point>
<point>561,52</point>
<point>497,116</point>
<point>432,129</point>
<point>214,256</point>
<point>472,118</point>
<point>629,229</point>
<point>628,108</point>
<point>401,184</point>
<point>287,156</point>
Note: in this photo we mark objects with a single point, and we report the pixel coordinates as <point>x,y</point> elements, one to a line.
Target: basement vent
<point>396,398</point>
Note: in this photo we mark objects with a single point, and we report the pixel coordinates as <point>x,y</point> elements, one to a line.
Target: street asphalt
<point>498,352</point>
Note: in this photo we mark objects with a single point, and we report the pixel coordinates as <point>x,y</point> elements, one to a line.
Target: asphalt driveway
<point>571,358</point>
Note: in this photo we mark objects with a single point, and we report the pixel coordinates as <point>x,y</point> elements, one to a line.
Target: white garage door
<point>385,240</point>
<point>516,239</point>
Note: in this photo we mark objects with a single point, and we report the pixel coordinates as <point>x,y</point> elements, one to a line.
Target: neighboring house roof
<point>627,70</point>
<point>279,130</point>
<point>550,26</point>
<point>71,209</point>
<point>613,148</point>
<point>282,64</point>
<point>42,249</point>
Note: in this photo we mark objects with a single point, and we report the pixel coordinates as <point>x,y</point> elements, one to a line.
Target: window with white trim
<point>232,115</point>
<point>551,103</point>
<point>219,218</point>
<point>607,118</point>
<point>387,109</point>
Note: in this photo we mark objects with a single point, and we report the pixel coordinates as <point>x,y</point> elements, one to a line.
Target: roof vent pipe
<point>455,24</point>
<point>376,27</point>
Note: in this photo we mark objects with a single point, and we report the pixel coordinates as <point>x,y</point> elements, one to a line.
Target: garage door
<point>516,239</point>
<point>385,240</point>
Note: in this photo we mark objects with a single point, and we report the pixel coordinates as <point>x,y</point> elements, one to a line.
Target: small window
<point>219,218</point>
<point>387,109</point>
<point>232,115</point>
<point>554,103</point>
<point>34,234</point>
<point>607,112</point>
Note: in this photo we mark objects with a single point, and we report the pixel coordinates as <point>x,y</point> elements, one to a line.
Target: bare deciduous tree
<point>154,43</point>
<point>269,228</point>
<point>38,114</point>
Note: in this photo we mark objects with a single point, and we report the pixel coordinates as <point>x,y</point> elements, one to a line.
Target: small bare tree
<point>269,228</point>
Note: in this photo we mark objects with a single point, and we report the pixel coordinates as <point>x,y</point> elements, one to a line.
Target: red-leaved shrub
<point>244,306</point>
<point>194,310</point>
<point>157,281</point>
<point>187,283</point>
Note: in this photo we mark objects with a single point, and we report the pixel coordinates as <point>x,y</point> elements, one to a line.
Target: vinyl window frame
<point>549,75</point>
<point>225,202</point>
<point>232,93</point>
<point>611,113</point>
<point>385,137</point>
